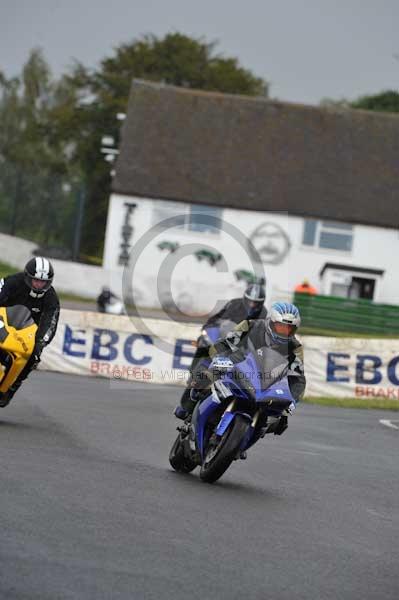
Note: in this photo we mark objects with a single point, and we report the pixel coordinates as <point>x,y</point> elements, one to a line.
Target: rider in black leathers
<point>33,289</point>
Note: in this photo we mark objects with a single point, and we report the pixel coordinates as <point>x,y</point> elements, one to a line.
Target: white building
<point>287,191</point>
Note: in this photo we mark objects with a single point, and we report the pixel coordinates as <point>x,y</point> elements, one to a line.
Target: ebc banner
<point>160,351</point>
<point>352,368</point>
<point>111,346</point>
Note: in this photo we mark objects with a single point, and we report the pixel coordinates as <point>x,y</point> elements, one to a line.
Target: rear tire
<point>225,452</point>
<point>178,460</point>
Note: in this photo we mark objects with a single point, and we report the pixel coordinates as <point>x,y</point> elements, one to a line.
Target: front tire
<point>218,458</point>
<point>177,458</point>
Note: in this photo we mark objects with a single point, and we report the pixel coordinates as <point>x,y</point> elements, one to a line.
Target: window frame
<point>334,228</point>
<point>189,211</point>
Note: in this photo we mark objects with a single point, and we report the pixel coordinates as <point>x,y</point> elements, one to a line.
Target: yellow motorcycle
<point>17,341</point>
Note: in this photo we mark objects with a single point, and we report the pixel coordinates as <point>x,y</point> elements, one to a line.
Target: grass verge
<point>354,402</point>
<point>6,270</point>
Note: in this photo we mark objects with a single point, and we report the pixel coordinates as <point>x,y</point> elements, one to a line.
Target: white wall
<point>70,277</point>
<point>198,284</point>
<point>15,251</point>
<point>80,280</point>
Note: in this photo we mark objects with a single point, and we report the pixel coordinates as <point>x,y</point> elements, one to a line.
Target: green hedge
<point>348,315</point>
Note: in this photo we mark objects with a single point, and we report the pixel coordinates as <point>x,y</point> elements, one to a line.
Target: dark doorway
<point>362,288</point>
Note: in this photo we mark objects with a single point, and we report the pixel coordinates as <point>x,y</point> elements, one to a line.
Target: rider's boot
<point>187,404</point>
<point>180,413</point>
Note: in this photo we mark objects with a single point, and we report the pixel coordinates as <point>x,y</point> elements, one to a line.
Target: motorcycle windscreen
<point>19,317</point>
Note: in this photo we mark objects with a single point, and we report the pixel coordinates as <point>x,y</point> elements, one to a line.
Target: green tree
<point>175,59</point>
<point>50,131</point>
<point>387,101</point>
<point>32,165</point>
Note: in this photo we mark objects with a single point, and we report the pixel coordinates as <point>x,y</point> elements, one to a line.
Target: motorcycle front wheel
<point>221,454</point>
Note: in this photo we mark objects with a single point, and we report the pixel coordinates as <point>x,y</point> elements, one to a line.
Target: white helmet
<point>38,276</point>
<point>283,321</point>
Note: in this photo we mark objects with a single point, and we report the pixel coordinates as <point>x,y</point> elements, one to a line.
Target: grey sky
<point>306,49</point>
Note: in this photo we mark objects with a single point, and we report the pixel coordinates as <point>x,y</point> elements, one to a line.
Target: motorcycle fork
<point>250,440</point>
<point>255,419</point>
<point>231,406</point>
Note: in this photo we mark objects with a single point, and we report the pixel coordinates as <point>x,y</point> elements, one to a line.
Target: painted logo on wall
<point>271,243</point>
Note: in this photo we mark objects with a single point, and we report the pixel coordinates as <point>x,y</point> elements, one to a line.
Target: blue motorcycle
<point>238,410</point>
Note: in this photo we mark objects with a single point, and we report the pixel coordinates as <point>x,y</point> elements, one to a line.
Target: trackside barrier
<point>117,347</point>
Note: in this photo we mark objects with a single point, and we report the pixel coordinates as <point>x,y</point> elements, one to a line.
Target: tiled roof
<point>253,153</point>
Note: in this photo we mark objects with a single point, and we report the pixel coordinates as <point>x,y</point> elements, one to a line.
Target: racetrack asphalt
<point>90,508</point>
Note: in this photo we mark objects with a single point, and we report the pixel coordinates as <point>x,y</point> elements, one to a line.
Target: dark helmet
<point>39,275</point>
<point>254,298</point>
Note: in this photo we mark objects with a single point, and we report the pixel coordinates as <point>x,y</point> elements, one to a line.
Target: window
<point>195,217</point>
<point>328,234</point>
<point>204,219</point>
<point>163,210</point>
<point>309,233</point>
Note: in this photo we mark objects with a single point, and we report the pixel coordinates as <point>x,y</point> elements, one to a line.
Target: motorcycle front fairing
<point>201,416</point>
<point>275,396</point>
<point>17,340</point>
<point>245,384</point>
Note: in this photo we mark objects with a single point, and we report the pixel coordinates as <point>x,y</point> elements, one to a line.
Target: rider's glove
<point>232,339</point>
<point>204,340</point>
<point>37,351</point>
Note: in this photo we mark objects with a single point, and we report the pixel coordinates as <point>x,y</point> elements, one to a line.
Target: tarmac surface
<point>90,508</point>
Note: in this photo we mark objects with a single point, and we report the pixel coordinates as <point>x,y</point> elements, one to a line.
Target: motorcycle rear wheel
<point>219,458</point>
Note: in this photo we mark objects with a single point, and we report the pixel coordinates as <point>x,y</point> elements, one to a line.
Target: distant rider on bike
<point>104,300</point>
